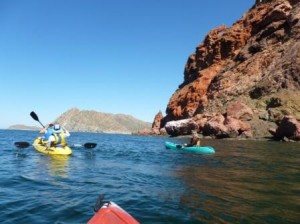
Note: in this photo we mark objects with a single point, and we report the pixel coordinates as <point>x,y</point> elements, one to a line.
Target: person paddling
<point>58,137</point>
<point>47,133</point>
<point>195,140</point>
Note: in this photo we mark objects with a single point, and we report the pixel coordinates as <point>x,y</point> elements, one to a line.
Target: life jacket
<point>60,139</point>
<point>47,134</point>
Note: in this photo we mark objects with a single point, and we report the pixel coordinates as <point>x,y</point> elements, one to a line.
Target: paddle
<point>22,145</point>
<point>88,145</point>
<point>35,117</point>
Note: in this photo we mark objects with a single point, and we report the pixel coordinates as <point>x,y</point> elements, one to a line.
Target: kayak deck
<point>196,149</point>
<point>51,150</point>
<point>110,213</point>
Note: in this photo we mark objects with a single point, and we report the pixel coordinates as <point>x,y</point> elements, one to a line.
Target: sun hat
<point>57,128</point>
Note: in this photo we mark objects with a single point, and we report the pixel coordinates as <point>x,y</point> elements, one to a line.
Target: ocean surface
<point>244,182</point>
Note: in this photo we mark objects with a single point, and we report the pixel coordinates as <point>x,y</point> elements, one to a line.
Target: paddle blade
<point>22,144</point>
<point>90,145</point>
<point>34,116</point>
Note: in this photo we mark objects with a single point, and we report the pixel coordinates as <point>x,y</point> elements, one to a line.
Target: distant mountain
<point>93,121</point>
<point>23,127</point>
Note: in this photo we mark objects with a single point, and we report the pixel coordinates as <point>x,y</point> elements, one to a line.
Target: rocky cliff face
<point>254,63</point>
<point>93,121</point>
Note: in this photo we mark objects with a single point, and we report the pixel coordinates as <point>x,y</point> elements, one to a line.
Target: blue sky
<point>116,56</point>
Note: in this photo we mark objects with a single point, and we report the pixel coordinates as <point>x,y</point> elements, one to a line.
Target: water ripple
<point>244,182</point>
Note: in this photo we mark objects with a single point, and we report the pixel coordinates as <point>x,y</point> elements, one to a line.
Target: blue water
<point>244,182</point>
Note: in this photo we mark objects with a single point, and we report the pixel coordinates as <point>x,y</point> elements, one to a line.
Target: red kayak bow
<point>111,213</point>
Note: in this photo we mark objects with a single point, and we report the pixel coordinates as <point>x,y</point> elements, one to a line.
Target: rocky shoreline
<point>232,125</point>
<point>242,81</point>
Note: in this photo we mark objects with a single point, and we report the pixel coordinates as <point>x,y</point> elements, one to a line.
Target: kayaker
<point>58,137</point>
<point>195,140</point>
<point>47,132</point>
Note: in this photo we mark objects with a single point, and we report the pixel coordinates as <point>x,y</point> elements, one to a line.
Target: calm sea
<point>244,182</point>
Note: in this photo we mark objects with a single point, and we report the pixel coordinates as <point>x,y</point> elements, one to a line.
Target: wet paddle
<point>90,145</point>
<point>35,117</point>
<point>22,145</point>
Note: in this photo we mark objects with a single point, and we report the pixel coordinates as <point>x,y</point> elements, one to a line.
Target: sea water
<point>243,182</point>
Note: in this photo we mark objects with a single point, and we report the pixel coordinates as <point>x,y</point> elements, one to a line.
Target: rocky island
<point>76,120</point>
<point>99,122</point>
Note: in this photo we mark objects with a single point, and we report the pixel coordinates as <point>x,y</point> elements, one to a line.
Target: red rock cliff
<point>255,61</point>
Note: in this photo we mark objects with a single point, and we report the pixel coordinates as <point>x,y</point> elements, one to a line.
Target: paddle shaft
<point>41,124</point>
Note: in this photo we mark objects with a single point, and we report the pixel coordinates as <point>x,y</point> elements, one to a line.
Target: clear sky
<point>112,56</point>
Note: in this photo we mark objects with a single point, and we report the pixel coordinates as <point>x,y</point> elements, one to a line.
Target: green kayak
<point>197,149</point>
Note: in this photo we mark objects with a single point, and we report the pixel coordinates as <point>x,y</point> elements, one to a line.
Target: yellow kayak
<point>37,144</point>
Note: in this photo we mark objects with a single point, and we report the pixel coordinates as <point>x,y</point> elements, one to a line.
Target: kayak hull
<point>112,213</point>
<point>51,150</point>
<point>196,149</point>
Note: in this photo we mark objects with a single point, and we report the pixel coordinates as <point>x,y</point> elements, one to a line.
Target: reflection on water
<point>54,165</point>
<point>20,153</point>
<point>248,185</point>
<point>244,182</point>
<point>58,165</point>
